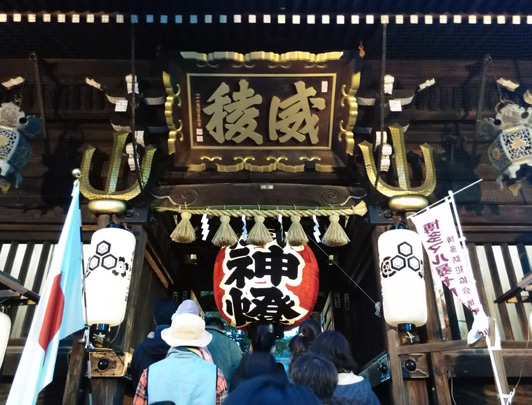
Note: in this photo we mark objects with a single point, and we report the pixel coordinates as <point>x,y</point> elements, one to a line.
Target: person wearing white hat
<point>154,348</point>
<point>183,377</point>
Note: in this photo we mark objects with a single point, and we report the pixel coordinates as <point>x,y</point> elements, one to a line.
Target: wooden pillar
<point>438,372</point>
<point>76,371</point>
<point>396,369</point>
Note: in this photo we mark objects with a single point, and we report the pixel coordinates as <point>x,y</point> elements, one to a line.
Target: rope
<point>376,304</point>
<point>359,209</point>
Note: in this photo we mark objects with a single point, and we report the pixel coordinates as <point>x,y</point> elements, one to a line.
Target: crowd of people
<point>187,360</point>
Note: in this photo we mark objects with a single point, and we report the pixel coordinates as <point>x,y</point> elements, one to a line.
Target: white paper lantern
<point>5,329</point>
<point>108,273</point>
<point>402,278</point>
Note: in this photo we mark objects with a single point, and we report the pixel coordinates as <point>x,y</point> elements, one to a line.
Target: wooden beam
<point>267,193</point>
<point>476,363</point>
<point>163,276</point>
<point>435,347</point>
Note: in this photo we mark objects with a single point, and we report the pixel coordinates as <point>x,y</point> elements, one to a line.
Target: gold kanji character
<point>219,99</point>
<point>241,122</point>
<point>296,120</point>
<point>237,116</point>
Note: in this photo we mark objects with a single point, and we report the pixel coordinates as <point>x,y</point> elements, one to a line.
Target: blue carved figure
<point>15,150</point>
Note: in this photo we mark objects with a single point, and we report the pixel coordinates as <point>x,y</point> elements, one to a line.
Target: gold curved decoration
<point>235,56</point>
<point>200,167</point>
<point>403,179</point>
<point>298,56</point>
<point>172,137</point>
<point>277,163</point>
<point>288,168</point>
<point>261,55</point>
<point>211,65</point>
<point>172,93</point>
<point>169,113</point>
<point>327,56</point>
<point>171,90</point>
<point>232,168</point>
<point>113,173</point>
<point>197,56</point>
<point>279,65</point>
<point>349,138</point>
<point>349,99</point>
<point>209,58</point>
<point>319,167</point>
<point>260,168</point>
<point>243,64</point>
<point>179,131</point>
<point>324,168</point>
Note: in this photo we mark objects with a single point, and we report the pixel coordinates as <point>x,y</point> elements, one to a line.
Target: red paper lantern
<point>271,283</point>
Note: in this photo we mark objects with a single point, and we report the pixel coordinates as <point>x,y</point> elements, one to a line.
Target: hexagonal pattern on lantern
<point>103,248</point>
<point>413,263</point>
<point>405,249</point>
<point>398,263</point>
<point>94,262</point>
<point>109,262</point>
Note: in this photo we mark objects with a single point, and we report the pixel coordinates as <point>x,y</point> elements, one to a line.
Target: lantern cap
<point>400,225</point>
<point>406,327</point>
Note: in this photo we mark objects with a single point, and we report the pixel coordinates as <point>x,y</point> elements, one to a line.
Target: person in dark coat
<point>260,360</point>
<point>271,389</point>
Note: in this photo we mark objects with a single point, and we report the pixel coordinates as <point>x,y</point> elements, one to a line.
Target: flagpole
<point>86,333</point>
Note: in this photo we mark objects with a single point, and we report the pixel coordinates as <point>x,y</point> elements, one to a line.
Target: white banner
<point>449,259</point>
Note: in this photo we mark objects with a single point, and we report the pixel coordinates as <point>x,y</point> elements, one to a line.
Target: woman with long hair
<point>352,389</point>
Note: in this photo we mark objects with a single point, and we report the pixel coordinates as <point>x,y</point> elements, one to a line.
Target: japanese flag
<point>58,314</point>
